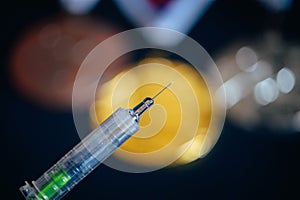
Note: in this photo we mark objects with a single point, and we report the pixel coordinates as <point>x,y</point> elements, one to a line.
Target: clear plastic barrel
<point>83,158</point>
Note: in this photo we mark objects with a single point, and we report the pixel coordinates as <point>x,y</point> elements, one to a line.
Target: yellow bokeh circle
<point>177,124</point>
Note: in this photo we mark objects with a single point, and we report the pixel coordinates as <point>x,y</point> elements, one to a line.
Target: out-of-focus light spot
<point>52,52</point>
<point>254,110</point>
<point>79,7</point>
<point>177,15</point>
<point>296,121</point>
<point>121,91</point>
<point>286,80</point>
<point>246,59</point>
<point>266,91</point>
<point>233,91</point>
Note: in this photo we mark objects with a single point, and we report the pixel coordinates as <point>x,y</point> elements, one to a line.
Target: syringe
<point>88,154</point>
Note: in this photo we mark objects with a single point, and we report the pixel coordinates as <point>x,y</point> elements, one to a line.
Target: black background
<point>243,165</point>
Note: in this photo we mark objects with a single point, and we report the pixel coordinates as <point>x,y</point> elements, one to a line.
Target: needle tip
<point>163,89</point>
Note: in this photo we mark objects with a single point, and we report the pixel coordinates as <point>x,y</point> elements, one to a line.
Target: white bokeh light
<point>246,59</point>
<point>79,7</point>
<point>233,91</point>
<point>266,91</point>
<point>286,80</point>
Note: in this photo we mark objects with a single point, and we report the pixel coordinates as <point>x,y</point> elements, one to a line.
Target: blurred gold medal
<point>179,120</point>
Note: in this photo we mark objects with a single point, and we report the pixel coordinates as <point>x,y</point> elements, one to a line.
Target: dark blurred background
<point>244,164</point>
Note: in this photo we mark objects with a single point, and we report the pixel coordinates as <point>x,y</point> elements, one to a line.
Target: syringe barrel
<point>83,158</point>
